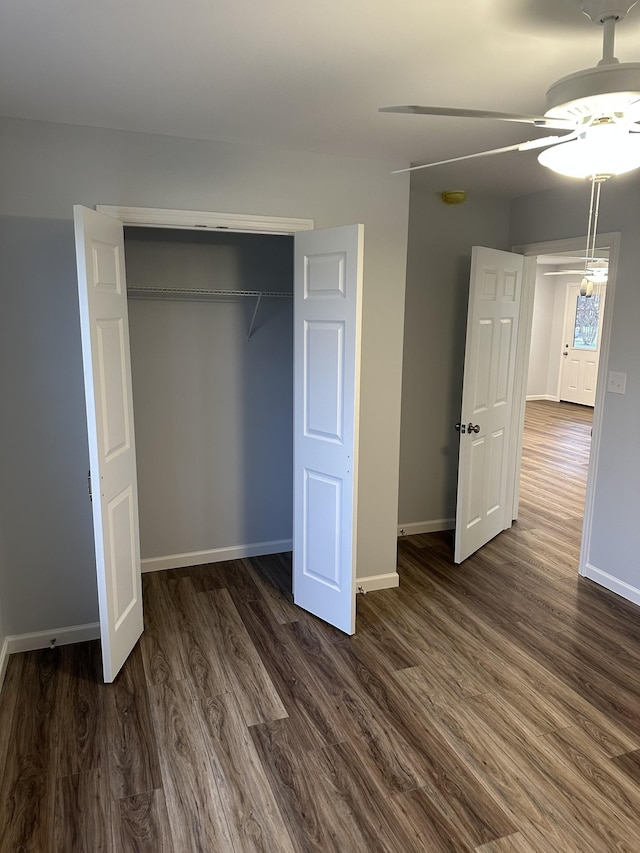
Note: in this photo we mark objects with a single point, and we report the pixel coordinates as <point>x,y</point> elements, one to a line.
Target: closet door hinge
<point>89,486</point>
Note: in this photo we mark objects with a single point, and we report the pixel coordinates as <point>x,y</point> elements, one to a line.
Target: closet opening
<point>211,336</point>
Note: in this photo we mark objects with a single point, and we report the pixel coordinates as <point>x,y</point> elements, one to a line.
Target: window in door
<point>587,322</point>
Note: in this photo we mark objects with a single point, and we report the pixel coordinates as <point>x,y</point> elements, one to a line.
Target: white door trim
<point>205,220</point>
<point>519,382</point>
<point>531,251</point>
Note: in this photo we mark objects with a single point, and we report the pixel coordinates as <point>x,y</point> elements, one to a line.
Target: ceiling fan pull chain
<point>588,257</point>
<point>598,181</point>
<point>586,285</point>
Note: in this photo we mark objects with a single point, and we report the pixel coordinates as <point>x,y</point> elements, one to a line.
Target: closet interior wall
<point>213,410</point>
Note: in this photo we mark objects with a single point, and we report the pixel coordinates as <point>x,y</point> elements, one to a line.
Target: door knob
<point>461,428</point>
<point>472,428</point>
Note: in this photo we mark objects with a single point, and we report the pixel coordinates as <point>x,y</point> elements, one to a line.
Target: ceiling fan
<point>598,108</point>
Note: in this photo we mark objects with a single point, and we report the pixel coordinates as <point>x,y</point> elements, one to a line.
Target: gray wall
<point>46,168</point>
<point>546,335</point>
<point>3,569</point>
<point>615,541</point>
<point>47,574</point>
<point>438,265</point>
<point>213,411</point>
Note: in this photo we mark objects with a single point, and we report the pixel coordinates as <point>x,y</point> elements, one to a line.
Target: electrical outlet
<point>616,382</point>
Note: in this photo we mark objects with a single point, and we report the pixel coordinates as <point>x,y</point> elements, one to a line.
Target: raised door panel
<point>324,381</point>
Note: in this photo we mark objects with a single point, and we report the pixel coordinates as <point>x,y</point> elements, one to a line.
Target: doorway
<point>573,247</point>
<point>566,330</point>
<point>213,404</point>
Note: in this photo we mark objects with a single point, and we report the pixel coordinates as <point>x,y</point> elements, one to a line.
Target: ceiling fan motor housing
<point>600,91</point>
<point>601,10</point>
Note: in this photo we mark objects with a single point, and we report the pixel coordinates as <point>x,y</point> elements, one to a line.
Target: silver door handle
<point>472,428</point>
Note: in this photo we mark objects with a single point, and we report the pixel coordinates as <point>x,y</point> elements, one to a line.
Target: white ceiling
<point>303,75</point>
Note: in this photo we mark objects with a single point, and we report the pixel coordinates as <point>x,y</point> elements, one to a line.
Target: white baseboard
<point>550,397</point>
<point>214,555</point>
<point>42,640</point>
<point>434,526</point>
<point>60,637</point>
<point>4,658</point>
<point>374,582</point>
<point>621,588</point>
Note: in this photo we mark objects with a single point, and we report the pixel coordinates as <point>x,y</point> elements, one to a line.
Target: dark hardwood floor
<point>493,706</point>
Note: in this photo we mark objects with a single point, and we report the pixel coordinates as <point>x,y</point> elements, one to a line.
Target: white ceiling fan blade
<point>564,272</point>
<point>524,118</point>
<point>521,146</point>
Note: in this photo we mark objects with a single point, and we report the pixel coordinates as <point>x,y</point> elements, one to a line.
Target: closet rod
<point>183,293</point>
<point>134,292</point>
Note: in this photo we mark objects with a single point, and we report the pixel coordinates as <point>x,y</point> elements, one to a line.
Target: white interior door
<point>107,380</point>
<point>487,398</point>
<point>581,346</point>
<point>327,320</point>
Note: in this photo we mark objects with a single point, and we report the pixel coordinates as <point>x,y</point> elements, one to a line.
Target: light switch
<point>616,382</point>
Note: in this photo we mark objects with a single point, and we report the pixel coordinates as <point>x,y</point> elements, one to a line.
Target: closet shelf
<point>191,293</point>
<point>199,295</point>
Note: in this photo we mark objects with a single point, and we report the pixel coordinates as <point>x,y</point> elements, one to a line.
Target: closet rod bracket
<point>253,317</point>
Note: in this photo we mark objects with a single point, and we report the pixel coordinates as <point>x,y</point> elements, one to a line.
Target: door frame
<point>207,221</point>
<point>530,252</point>
<point>198,220</point>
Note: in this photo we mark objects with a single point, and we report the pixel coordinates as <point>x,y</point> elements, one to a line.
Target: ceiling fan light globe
<point>586,287</point>
<point>602,150</point>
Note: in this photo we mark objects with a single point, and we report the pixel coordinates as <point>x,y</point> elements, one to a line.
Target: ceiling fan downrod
<point>607,13</point>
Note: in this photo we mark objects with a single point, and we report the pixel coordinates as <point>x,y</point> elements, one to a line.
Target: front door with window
<point>581,345</point>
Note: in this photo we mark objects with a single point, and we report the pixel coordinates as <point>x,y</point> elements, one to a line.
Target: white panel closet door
<point>327,321</point>
<point>107,378</point>
<point>487,398</point>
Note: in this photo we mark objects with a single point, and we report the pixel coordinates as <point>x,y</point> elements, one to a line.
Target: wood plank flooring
<point>490,707</point>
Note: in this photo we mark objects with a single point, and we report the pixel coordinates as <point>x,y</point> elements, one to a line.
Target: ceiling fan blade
<point>539,121</point>
<point>594,272</point>
<point>564,272</point>
<point>519,146</point>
